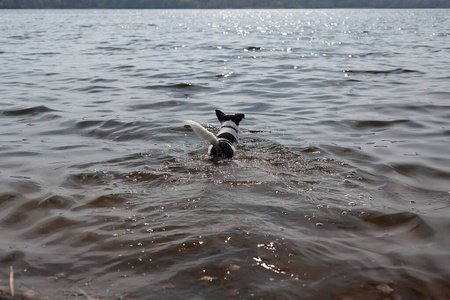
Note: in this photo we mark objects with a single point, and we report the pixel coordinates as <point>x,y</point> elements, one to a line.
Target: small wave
<point>55,202</point>
<point>23,214</point>
<point>20,37</point>
<point>377,54</point>
<point>19,154</point>
<point>96,80</point>
<point>31,111</point>
<point>113,129</point>
<point>404,224</point>
<point>81,180</point>
<point>107,201</point>
<point>253,48</point>
<point>363,124</point>
<point>382,72</point>
<point>51,74</point>
<point>112,48</point>
<point>431,177</point>
<point>7,198</point>
<point>124,67</point>
<point>157,105</point>
<point>95,89</point>
<point>375,124</point>
<point>43,53</point>
<point>184,85</point>
<point>225,75</point>
<point>51,227</point>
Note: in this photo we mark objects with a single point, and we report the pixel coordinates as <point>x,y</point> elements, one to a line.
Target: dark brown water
<point>340,188</point>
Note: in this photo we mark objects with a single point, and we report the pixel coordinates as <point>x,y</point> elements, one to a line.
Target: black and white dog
<point>222,145</point>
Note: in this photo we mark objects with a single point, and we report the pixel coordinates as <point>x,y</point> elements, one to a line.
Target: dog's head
<point>236,118</point>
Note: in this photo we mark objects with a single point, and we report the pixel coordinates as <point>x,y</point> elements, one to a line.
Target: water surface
<point>340,188</point>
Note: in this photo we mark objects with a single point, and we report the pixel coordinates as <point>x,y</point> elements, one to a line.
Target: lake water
<point>340,188</point>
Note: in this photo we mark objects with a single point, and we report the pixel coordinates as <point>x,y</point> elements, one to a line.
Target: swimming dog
<point>222,145</point>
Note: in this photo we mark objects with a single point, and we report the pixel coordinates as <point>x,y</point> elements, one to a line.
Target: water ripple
<point>338,190</point>
<point>31,111</point>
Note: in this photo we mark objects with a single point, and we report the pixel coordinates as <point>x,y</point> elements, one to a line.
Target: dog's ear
<point>237,118</point>
<point>220,115</point>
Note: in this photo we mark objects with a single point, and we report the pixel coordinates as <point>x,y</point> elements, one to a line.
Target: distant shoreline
<point>219,8</point>
<point>224,4</point>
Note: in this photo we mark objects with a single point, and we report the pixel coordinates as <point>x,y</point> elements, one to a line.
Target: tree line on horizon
<point>172,4</point>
